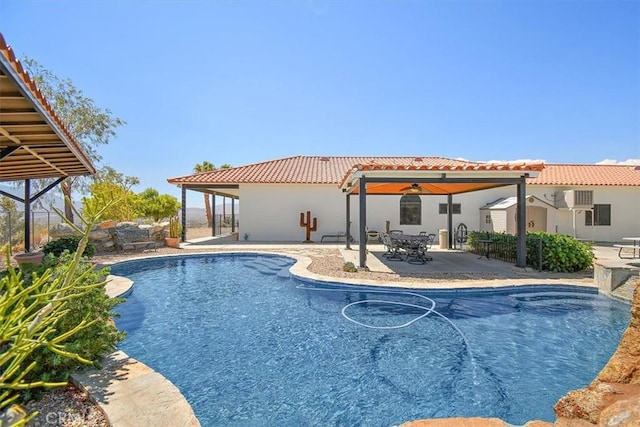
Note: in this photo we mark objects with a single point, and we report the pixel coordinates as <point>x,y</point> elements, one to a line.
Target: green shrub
<point>560,253</point>
<point>31,309</point>
<point>58,246</point>
<point>90,343</point>
<point>50,318</point>
<point>349,267</point>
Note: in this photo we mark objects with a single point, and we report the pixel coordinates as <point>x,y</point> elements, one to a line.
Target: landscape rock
<point>457,422</point>
<point>616,388</point>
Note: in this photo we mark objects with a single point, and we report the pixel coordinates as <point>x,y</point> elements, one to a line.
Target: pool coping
<point>132,394</point>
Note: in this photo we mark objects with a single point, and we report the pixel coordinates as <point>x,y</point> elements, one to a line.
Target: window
<point>410,210</point>
<point>456,208</point>
<point>601,213</point>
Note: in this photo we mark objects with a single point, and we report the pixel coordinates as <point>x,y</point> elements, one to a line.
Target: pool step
<point>269,266</point>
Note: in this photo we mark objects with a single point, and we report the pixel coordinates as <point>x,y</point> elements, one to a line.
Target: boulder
<point>618,381</point>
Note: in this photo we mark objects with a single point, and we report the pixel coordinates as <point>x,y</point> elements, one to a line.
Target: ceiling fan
<point>413,189</point>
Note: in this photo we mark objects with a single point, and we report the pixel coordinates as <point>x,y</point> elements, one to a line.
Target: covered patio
<point>444,263</point>
<point>374,179</point>
<point>34,142</point>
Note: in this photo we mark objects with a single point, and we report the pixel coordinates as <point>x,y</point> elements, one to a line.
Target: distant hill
<point>199,215</point>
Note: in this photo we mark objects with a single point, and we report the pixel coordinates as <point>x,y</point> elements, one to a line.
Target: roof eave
<point>18,80</point>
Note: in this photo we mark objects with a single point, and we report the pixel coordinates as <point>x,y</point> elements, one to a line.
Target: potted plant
<point>173,241</point>
<point>34,258</point>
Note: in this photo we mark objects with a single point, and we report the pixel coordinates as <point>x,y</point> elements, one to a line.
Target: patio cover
<point>34,143</point>
<point>376,179</point>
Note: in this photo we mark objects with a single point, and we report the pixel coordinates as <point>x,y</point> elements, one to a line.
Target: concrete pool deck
<point>132,394</point>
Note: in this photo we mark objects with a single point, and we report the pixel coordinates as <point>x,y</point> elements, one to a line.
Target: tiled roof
<point>594,175</point>
<point>334,169</point>
<point>314,169</point>
<point>40,142</point>
<point>446,166</point>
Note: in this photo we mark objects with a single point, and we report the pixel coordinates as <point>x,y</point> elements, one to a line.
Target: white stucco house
<point>591,202</point>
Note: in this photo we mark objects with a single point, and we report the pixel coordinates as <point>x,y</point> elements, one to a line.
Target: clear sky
<point>241,82</point>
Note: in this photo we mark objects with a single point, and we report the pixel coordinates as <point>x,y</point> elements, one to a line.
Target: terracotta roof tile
<point>8,53</point>
<point>40,143</point>
<point>595,175</point>
<point>333,169</point>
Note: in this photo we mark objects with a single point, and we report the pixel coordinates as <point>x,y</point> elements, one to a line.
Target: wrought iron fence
<point>504,247</point>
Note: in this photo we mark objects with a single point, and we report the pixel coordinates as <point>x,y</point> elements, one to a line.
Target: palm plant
<point>206,167</point>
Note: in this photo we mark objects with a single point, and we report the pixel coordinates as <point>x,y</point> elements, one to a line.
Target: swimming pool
<point>248,345</point>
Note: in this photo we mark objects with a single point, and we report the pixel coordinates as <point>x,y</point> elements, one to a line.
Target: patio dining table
<point>414,246</point>
<point>634,247</point>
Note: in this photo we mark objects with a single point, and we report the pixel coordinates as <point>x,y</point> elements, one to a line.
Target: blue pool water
<point>249,346</point>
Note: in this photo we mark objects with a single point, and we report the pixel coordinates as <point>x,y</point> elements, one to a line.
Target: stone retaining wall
<point>110,236</point>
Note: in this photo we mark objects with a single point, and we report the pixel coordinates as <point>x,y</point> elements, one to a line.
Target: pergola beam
<point>363,180</point>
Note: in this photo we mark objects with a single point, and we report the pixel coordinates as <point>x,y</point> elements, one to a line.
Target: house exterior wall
<point>625,213</point>
<point>272,212</point>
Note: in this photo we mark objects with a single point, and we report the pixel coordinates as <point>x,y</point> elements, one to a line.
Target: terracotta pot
<point>172,242</point>
<point>29,258</point>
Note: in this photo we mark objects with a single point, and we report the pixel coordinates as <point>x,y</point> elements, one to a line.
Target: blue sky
<point>240,82</point>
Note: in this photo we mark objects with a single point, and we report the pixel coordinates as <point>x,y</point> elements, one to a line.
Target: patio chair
<point>461,235</point>
<point>431,237</point>
<point>417,248</point>
<point>393,247</point>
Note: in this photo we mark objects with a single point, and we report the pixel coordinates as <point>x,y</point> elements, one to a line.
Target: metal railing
<point>504,248</point>
<point>12,228</point>
<point>197,227</point>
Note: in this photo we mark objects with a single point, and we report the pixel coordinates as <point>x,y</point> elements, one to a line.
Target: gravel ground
<point>66,406</point>
<point>71,407</point>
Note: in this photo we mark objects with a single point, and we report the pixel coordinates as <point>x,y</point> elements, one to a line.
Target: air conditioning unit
<point>574,199</point>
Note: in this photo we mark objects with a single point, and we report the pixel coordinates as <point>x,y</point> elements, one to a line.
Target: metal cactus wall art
<point>306,222</point>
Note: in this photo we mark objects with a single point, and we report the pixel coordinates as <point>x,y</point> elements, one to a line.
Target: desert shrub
<point>90,343</point>
<point>349,267</point>
<point>32,308</point>
<point>58,246</point>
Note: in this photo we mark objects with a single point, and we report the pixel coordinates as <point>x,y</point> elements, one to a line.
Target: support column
<point>27,215</point>
<point>450,219</point>
<point>183,237</point>
<point>521,224</point>
<point>233,215</point>
<point>213,215</point>
<point>363,222</point>
<point>348,221</point>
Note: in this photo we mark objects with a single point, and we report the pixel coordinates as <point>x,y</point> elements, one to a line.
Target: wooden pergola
<point>34,143</point>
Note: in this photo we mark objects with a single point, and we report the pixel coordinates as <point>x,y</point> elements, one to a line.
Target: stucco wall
<point>625,213</point>
<point>272,212</point>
